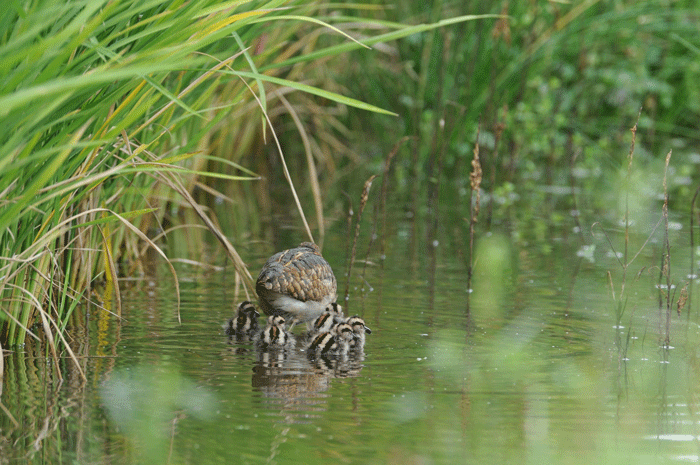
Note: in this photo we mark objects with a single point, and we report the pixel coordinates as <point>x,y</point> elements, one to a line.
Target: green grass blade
<point>405,31</point>
<point>314,91</point>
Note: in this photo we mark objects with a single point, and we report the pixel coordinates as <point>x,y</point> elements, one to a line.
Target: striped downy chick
<point>358,329</point>
<point>333,342</point>
<point>344,336</point>
<point>245,321</point>
<point>333,314</point>
<point>274,335</point>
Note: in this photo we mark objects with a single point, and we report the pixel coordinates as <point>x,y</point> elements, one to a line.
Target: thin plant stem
<point>693,270</point>
<point>287,176</point>
<point>475,178</point>
<point>625,263</point>
<point>666,267</point>
<point>363,203</point>
<point>313,175</point>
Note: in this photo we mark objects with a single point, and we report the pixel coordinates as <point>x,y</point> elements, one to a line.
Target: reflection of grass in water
<point>146,403</point>
<point>492,279</point>
<point>513,393</point>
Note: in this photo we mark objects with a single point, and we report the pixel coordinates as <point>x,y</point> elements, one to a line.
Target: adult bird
<point>297,284</point>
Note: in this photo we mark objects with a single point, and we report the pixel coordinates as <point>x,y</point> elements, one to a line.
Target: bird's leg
<point>293,324</point>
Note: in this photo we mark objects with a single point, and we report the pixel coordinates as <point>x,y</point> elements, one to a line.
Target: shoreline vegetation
<point>127,121</point>
<point>115,115</point>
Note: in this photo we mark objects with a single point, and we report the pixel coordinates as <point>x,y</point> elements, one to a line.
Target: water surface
<point>547,364</point>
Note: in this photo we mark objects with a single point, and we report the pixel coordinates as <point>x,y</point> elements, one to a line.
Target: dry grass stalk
<point>692,248</point>
<point>627,211</point>
<point>313,175</point>
<point>381,208</point>
<point>666,267</point>
<point>9,415</point>
<point>287,176</point>
<point>625,262</point>
<point>475,178</point>
<point>693,270</point>
<point>363,203</point>
<point>612,285</point>
<point>682,299</point>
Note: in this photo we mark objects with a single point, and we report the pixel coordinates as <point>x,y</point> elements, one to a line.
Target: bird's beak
<point>367,330</point>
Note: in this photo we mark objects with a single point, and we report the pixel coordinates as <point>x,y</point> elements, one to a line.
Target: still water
<point>542,366</point>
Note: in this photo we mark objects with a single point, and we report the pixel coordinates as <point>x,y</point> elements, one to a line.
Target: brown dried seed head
<point>683,299</point>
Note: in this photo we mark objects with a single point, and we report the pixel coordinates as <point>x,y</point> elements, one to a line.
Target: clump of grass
<point>622,301</point>
<point>621,298</point>
<point>91,112</point>
<point>664,285</point>
<point>112,110</point>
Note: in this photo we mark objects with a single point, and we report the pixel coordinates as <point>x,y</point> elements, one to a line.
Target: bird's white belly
<point>304,311</point>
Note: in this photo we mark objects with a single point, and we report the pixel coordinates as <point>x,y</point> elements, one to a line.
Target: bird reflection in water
<point>299,370</point>
<point>298,286</point>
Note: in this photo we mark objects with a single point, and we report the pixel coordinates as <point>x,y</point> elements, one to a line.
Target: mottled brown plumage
<point>297,284</point>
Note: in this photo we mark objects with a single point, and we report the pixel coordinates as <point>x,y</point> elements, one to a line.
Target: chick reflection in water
<point>305,371</point>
